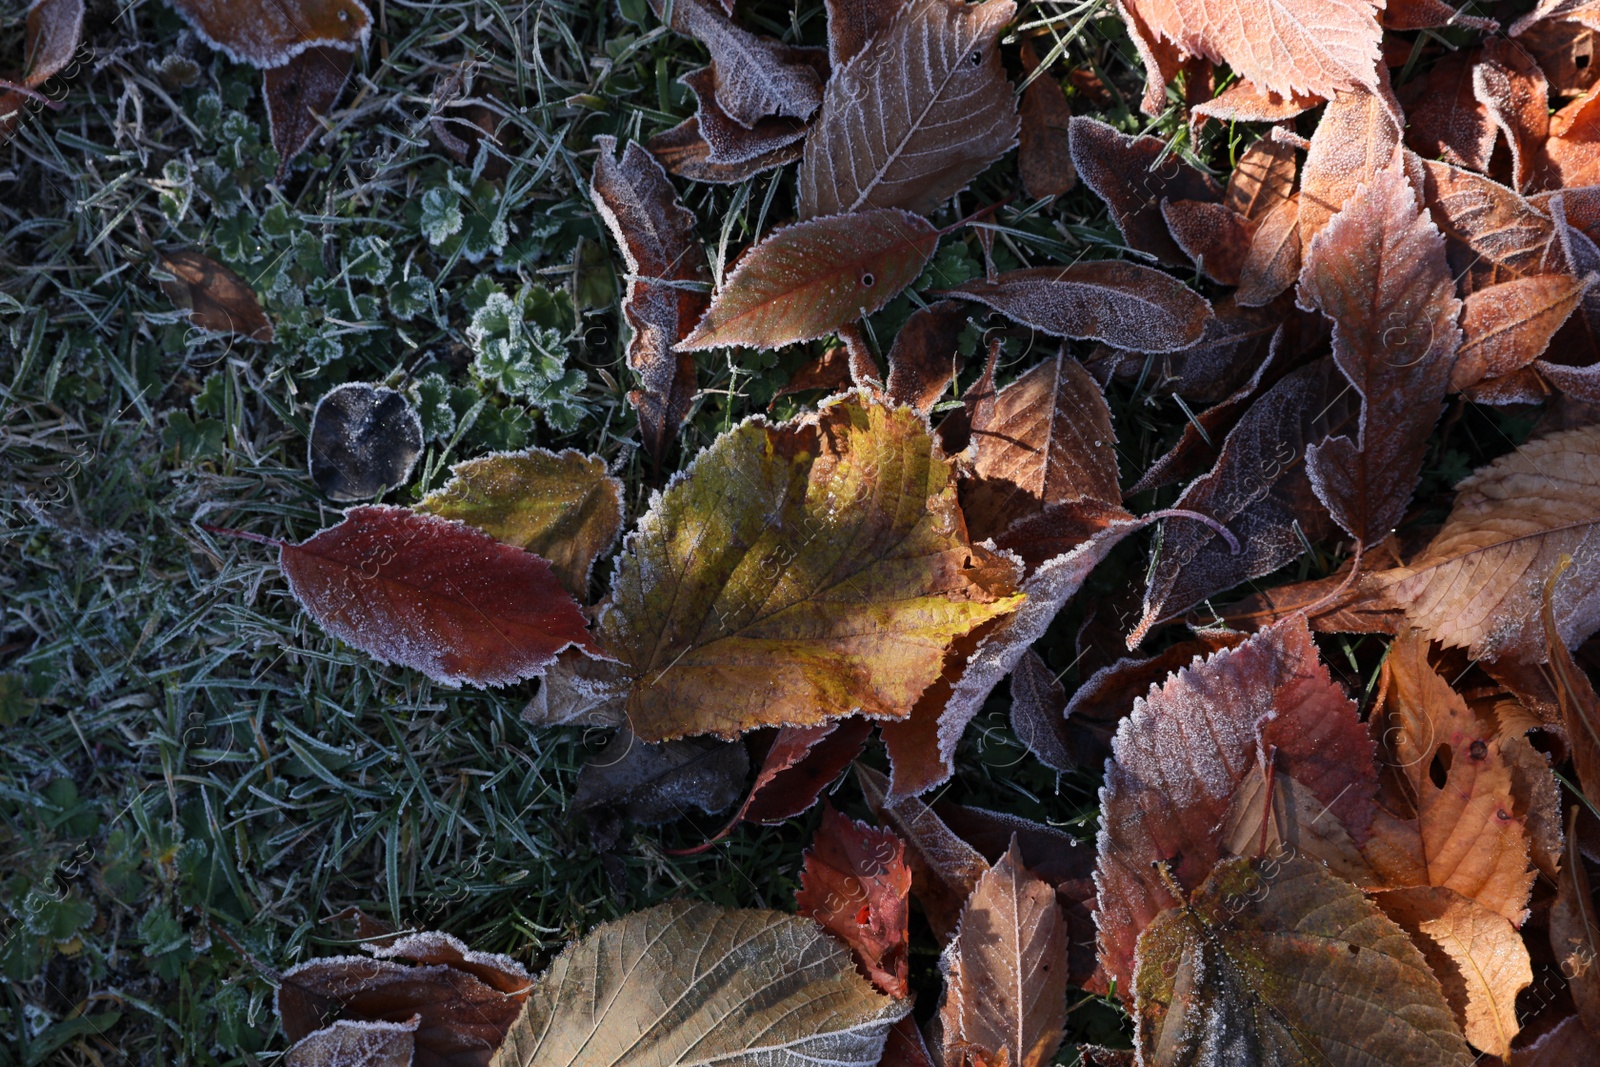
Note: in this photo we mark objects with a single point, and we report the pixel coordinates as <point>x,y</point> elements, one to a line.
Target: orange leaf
<point>269,33</point>
<point>217,299</point>
<point>855,883</point>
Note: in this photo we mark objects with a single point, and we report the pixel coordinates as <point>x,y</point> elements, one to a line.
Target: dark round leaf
<point>364,441</point>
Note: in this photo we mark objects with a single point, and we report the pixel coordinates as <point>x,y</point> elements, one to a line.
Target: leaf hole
<point>867,280</point>
<point>1439,769</point>
<point>975,58</point>
<point>1354,949</point>
<point>1478,750</point>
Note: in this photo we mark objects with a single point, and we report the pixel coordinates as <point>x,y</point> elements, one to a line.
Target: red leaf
<point>439,596</point>
<point>856,884</point>
<point>802,762</point>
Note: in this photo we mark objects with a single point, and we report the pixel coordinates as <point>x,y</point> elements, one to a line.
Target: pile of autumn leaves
<point>1275,880</point>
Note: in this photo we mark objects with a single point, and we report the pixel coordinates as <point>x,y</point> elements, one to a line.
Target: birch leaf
<point>694,985</point>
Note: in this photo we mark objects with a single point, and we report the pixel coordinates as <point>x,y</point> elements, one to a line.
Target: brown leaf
<point>265,33</point>
<point>1044,156</point>
<point>683,151</point>
<point>1228,353</point>
<point>856,883</point>
<point>755,77</point>
<point>1576,701</point>
<point>909,122</point>
<point>829,372</point>
<point>1485,221</point>
<point>1445,118</point>
<point>1356,138</point>
<point>1566,53</point>
<point>1133,175</point>
<point>1509,83</point>
<point>1428,14</point>
<point>1183,754</point>
<point>665,261</point>
<point>354,1043</point>
<point>1273,263</point>
<point>801,762</point>
<point>217,299</point>
<point>1046,440</point>
<point>1282,962</point>
<point>54,30</point>
<point>1477,955</point>
<point>1259,490</point>
<point>1311,46</point>
<point>455,1004</point>
<point>729,142</point>
<point>1479,583</point>
<point>1162,61</point>
<point>1575,928</point>
<point>925,359</point>
<point>1215,237</point>
<point>1263,179</point>
<point>1038,713</point>
<point>944,868</point>
<point>807,280</point>
<point>1005,970</point>
<point>1244,101</point>
<point>1506,327</point>
<point>1123,304</point>
<point>1566,1044</point>
<point>1378,271</point>
<point>852,23</point>
<point>649,784</point>
<point>300,92</point>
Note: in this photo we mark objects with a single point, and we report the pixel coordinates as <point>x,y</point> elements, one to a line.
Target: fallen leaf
<point>755,77</point>
<point>853,23</point>
<point>1378,271</point>
<point>365,439</point>
<point>1215,237</point>
<point>1568,1043</point>
<point>1162,60</point>
<point>801,763</point>
<point>944,868</point>
<point>1477,955</point>
<point>1282,962</point>
<point>807,280</point>
<point>1133,175</point>
<point>1123,304</point>
<point>1578,706</point>
<point>1485,222</point>
<point>1272,264</point>
<point>1227,354</point>
<point>1581,11</point>
<point>740,985</point>
<point>437,596</point>
<point>728,141</point>
<point>855,882</point>
<point>216,298</point>
<point>562,506</point>
<point>1574,928</point>
<point>910,121</point>
<point>453,1004</point>
<point>1262,179</point>
<point>578,689</point>
<point>1506,327</point>
<point>1479,583</point>
<point>1310,46</point>
<point>351,1043</point>
<point>1259,489</point>
<point>54,30</point>
<point>925,357</point>
<point>1355,139</point>
<point>1510,85</point>
<point>665,265</point>
<point>1244,101</point>
<point>300,92</point>
<point>1044,157</point>
<point>1429,14</point>
<point>1444,117</point>
<point>1038,713</point>
<point>1566,54</point>
<point>795,574</point>
<point>1005,970</point>
<point>266,34</point>
<point>683,151</point>
<point>1184,753</point>
<point>654,784</point>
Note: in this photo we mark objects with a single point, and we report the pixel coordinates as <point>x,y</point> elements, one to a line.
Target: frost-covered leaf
<point>666,276</point>
<point>1123,304</point>
<point>1479,583</point>
<point>852,23</point>
<point>1444,117</point>
<point>910,121</point>
<point>1566,1043</point>
<point>1272,264</point>
<point>1185,752</point>
<point>1485,222</point>
<point>925,357</point>
<point>1044,155</point>
<point>755,76</point>
<point>1038,713</point>
<point>807,280</point>
<point>54,29</point>
<point>1215,237</point>
<point>365,440</point>
<point>299,93</point>
<point>1506,327</point>
<point>438,596</point>
<point>684,151</point>
<point>216,298</point>
<point>1575,928</point>
<point>700,985</point>
<point>795,574</point>
<point>452,1003</point>
<point>1261,180</point>
<point>1283,46</point>
<point>1133,175</point>
<point>265,33</point>
<point>1513,90</point>
<point>1378,271</point>
<point>800,764</point>
<point>944,868</point>
<point>1005,970</point>
<point>856,884</point>
<point>1357,136</point>
<point>354,1043</point>
<point>729,142</point>
<point>564,507</point>
<point>1281,962</point>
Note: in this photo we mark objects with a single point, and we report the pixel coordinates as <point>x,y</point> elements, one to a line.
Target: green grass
<point>193,777</point>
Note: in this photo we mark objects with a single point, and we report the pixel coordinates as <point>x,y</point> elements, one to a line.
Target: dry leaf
<point>1378,271</point>
<point>755,77</point>
<point>1215,237</point>
<point>1123,304</point>
<point>1038,713</point>
<point>925,358</point>
<point>269,33</point>
<point>1485,222</point>
<point>1479,583</point>
<point>852,23</point>
<point>856,884</point>
<point>1244,101</point>
<point>683,151</point>
<point>1509,83</point>
<point>648,784</point>
<point>944,868</point>
<point>217,299</point>
<point>565,507</point>
<point>1445,118</point>
<point>702,986</point>
<point>1133,175</point>
<point>1273,263</point>
<point>1044,157</point>
<point>807,280</point>
<point>1356,137</point>
<point>910,121</point>
<point>300,92</point>
<point>1282,962</point>
<point>1563,1045</point>
<point>795,574</point>
<point>437,596</point>
<point>1506,327</point>
<point>1263,179</point>
<point>54,30</point>
<point>663,303</point>
<point>800,764</point>
<point>353,1043</point>
<point>1283,46</point>
<point>729,142</point>
<point>1005,970</point>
